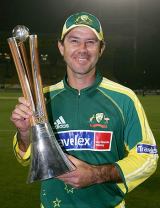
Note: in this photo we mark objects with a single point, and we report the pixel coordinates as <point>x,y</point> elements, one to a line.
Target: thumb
<point>74,160</point>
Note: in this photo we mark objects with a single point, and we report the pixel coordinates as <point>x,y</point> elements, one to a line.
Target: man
<point>100,123</point>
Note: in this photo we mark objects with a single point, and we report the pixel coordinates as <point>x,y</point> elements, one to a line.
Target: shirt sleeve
<point>26,157</point>
<point>141,157</point>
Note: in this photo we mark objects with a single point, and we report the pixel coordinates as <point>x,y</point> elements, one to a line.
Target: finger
<point>22,100</point>
<point>24,108</point>
<point>65,176</point>
<point>21,113</point>
<point>71,183</point>
<point>68,175</point>
<point>74,160</point>
<point>16,117</point>
<point>67,181</point>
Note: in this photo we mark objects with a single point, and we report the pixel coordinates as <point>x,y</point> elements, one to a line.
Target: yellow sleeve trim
<point>24,160</point>
<point>121,205</point>
<point>42,205</point>
<point>57,86</point>
<point>137,168</point>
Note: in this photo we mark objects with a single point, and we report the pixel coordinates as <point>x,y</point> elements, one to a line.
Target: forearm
<point>22,157</point>
<point>23,140</point>
<point>85,174</point>
<point>106,173</point>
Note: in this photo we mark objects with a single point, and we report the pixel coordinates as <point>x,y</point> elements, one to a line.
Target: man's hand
<point>20,118</point>
<point>81,177</point>
<point>86,174</point>
<point>21,114</point>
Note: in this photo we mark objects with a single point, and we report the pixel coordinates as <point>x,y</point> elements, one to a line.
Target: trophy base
<point>47,158</point>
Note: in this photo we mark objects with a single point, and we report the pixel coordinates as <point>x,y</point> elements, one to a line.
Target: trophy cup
<point>47,158</point>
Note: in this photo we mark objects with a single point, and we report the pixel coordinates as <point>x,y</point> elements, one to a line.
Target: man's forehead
<point>82,32</point>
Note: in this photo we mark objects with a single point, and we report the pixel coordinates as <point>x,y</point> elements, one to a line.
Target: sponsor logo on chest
<point>60,123</point>
<point>85,140</point>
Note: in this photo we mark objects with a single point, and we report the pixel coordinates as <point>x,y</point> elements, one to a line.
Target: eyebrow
<point>75,37</point>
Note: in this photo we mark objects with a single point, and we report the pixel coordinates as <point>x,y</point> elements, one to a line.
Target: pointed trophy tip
<point>20,32</point>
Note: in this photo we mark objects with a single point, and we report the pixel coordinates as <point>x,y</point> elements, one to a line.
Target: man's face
<point>81,50</point>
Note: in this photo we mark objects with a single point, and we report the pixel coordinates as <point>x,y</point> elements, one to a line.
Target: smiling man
<point>100,124</point>
<point>81,51</point>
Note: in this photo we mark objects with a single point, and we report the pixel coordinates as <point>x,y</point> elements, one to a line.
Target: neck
<point>81,81</point>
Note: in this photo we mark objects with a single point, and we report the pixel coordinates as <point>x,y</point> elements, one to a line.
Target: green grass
<point>15,193</point>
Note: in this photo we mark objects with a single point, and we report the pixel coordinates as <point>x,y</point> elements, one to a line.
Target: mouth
<point>82,60</point>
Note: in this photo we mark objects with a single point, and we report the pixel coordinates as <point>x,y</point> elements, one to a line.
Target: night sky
<point>49,15</point>
<point>127,24</point>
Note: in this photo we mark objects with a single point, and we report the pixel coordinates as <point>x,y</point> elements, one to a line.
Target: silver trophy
<point>47,158</point>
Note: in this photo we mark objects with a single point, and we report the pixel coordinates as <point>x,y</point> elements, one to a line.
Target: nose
<point>83,46</point>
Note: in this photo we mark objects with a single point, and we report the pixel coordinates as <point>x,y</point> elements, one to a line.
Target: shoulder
<point>56,87</point>
<point>116,88</point>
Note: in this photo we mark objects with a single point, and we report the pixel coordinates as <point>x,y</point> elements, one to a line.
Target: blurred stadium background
<point>131,30</point>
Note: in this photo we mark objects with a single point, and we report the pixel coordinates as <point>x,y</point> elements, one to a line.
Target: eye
<point>91,42</point>
<point>74,41</point>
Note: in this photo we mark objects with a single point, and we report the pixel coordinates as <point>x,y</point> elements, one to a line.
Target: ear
<point>61,47</point>
<point>103,46</point>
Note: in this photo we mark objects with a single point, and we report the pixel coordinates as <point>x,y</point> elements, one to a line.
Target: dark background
<point>131,29</point>
<point>132,34</point>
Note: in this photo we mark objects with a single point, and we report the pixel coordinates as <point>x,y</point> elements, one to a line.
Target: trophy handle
<point>41,113</point>
<point>27,67</point>
<point>21,70</point>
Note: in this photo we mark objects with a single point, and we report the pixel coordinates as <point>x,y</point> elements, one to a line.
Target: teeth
<point>82,60</point>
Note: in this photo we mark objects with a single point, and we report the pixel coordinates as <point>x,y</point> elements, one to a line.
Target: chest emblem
<point>99,120</point>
